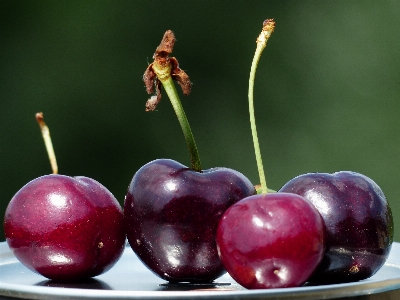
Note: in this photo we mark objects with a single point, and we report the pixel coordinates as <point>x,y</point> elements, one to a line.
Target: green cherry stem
<point>172,93</point>
<point>268,28</point>
<point>164,70</point>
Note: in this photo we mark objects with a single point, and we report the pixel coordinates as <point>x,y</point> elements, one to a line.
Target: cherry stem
<point>172,93</point>
<point>47,141</point>
<point>164,70</point>
<point>268,28</point>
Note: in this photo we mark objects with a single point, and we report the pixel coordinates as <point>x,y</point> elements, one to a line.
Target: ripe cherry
<point>271,240</point>
<point>172,212</point>
<point>358,220</point>
<point>64,228</point>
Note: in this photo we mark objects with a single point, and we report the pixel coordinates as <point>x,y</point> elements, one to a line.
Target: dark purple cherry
<point>65,228</point>
<point>172,211</point>
<point>358,221</point>
<point>271,240</point>
<point>171,215</point>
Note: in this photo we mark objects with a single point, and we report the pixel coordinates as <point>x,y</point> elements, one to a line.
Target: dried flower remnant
<point>162,68</point>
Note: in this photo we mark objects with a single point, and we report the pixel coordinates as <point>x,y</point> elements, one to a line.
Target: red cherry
<point>65,228</point>
<point>271,240</point>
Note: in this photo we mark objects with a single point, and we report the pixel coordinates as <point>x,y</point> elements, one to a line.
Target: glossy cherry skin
<point>358,221</point>
<point>65,228</point>
<point>171,214</point>
<point>271,241</point>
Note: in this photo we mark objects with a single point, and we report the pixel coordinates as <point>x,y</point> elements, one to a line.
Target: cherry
<point>65,228</point>
<point>271,241</point>
<point>358,221</point>
<point>172,213</point>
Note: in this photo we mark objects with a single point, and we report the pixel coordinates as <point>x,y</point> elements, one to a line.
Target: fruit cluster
<point>192,225</point>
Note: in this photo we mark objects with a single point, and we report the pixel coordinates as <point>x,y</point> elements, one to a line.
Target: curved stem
<point>268,28</point>
<point>169,87</point>
<point>257,150</point>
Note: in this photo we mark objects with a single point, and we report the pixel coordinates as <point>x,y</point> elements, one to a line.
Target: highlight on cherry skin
<point>358,219</point>
<point>65,228</point>
<point>171,216</point>
<point>272,240</point>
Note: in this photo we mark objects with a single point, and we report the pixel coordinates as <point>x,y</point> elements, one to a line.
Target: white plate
<point>130,279</point>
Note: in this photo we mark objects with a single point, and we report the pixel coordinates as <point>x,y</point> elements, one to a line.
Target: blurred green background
<point>327,89</point>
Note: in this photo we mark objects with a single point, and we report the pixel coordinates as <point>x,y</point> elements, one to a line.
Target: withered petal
<point>180,76</point>
<point>148,77</point>
<point>167,44</point>
<point>152,103</point>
